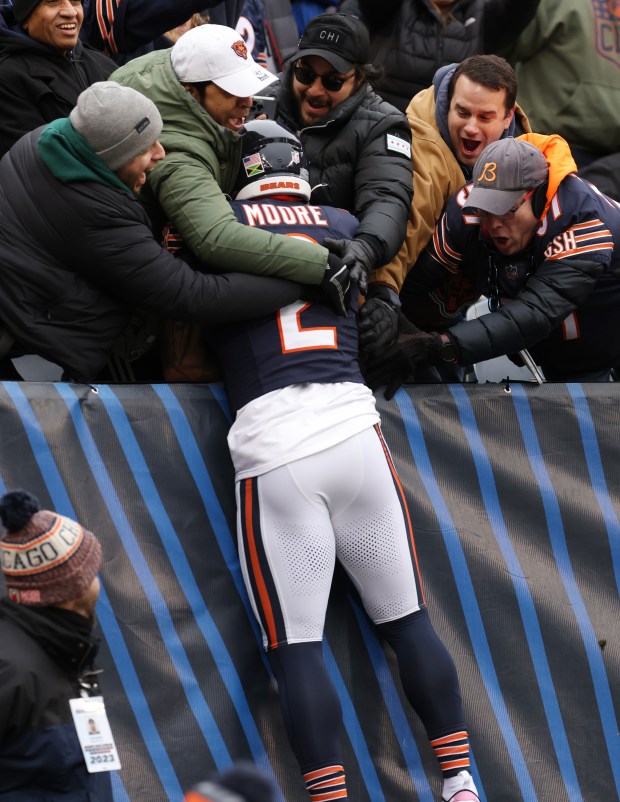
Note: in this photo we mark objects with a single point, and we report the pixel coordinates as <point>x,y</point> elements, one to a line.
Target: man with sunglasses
<point>542,244</point>
<point>203,88</point>
<point>358,146</point>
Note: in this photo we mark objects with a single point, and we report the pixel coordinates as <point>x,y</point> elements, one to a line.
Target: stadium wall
<point>515,497</point>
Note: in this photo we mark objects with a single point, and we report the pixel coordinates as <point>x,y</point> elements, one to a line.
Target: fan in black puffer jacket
<point>43,65</point>
<point>412,39</point>
<point>359,150</point>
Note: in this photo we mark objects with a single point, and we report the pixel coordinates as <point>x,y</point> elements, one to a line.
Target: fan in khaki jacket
<point>468,106</point>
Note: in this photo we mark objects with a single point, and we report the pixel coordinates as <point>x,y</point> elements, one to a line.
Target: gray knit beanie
<point>117,122</point>
<point>22,9</point>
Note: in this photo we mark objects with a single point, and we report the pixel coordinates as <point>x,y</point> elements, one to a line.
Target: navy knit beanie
<point>22,9</point>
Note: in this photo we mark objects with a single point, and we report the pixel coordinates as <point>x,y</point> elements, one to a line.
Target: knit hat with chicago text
<point>46,558</point>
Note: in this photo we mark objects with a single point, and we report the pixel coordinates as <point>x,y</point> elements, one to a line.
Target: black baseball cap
<point>341,39</point>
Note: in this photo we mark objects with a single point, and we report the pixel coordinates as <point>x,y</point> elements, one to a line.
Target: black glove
<point>395,365</point>
<point>336,284</point>
<point>359,255</point>
<point>377,320</point>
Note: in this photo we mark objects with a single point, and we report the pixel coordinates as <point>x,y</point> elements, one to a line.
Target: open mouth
<point>316,106</point>
<point>470,145</point>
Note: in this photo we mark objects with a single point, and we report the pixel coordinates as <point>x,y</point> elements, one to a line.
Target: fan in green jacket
<point>203,88</point>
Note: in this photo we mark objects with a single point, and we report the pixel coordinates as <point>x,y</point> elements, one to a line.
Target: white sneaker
<point>466,789</point>
<point>463,796</point>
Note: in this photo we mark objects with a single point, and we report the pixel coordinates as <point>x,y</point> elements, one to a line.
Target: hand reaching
<point>395,365</point>
<point>336,284</point>
<point>358,254</point>
<point>377,320</point>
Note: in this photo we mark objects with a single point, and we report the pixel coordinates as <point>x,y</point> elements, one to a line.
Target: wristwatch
<point>447,351</point>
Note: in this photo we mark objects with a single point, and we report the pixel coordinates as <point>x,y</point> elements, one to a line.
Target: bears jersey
<point>303,342</point>
<point>460,263</point>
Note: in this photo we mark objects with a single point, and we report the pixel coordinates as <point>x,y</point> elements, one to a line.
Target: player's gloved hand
<point>395,365</point>
<point>336,284</point>
<point>358,254</point>
<point>377,320</point>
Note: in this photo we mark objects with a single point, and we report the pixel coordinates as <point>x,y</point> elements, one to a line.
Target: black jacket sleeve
<point>127,262</point>
<point>425,276</point>
<point>550,295</point>
<point>504,20</point>
<point>36,89</point>
<point>384,186</point>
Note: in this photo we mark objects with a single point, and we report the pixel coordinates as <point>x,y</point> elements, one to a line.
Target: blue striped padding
<point>514,499</point>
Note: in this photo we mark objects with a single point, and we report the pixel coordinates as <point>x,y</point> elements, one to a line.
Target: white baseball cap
<point>219,54</point>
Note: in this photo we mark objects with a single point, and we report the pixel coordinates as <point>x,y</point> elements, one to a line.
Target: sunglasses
<point>331,82</point>
<point>509,215</point>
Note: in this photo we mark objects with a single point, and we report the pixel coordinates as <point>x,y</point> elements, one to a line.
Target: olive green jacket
<point>201,164</point>
<point>567,63</point>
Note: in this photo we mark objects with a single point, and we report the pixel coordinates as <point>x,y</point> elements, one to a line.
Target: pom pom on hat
<point>248,781</point>
<point>17,508</point>
<point>46,558</point>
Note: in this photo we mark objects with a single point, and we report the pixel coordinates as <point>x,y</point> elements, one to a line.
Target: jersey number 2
<point>294,337</point>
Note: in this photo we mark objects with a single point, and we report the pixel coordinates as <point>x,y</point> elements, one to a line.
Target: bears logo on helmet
<point>273,163</point>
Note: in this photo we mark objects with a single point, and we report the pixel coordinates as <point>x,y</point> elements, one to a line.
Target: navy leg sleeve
<point>310,704</point>
<point>427,673</point>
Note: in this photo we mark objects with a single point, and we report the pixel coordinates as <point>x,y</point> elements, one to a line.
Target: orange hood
<point>557,155</point>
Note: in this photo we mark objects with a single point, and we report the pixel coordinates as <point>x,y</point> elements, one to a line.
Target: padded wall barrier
<point>515,501</point>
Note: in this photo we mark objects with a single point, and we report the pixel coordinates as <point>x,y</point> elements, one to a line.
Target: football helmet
<point>272,163</point>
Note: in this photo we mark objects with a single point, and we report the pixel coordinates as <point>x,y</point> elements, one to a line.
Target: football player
<point>315,483</point>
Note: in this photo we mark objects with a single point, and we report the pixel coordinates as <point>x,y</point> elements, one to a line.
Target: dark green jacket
<point>568,67</point>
